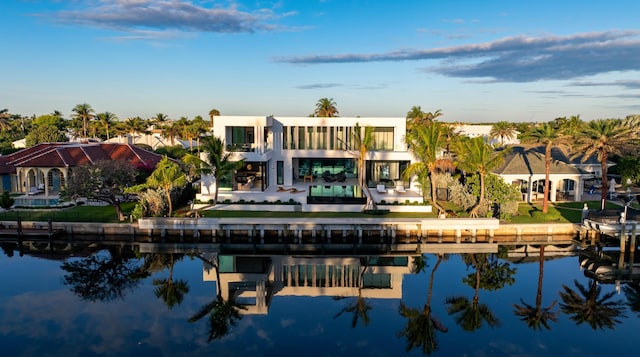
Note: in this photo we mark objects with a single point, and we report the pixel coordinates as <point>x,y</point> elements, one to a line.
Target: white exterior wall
<point>272,151</point>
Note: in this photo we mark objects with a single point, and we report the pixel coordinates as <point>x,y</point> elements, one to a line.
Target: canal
<point>101,298</point>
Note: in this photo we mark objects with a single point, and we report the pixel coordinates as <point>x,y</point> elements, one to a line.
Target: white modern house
<point>312,153</point>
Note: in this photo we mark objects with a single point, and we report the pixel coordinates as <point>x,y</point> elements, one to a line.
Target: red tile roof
<point>74,154</point>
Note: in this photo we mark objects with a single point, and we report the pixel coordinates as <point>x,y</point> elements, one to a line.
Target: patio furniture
<point>381,188</point>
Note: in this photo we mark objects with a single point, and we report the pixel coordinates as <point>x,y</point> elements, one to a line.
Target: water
<point>109,301</point>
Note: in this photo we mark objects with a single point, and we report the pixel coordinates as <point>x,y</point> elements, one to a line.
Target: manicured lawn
<point>102,214</point>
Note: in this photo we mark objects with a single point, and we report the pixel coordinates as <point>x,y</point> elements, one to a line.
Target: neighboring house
<point>483,130</point>
<point>153,140</point>
<point>524,166</point>
<point>44,168</point>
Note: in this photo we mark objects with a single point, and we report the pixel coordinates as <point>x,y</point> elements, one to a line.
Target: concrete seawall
<point>484,229</point>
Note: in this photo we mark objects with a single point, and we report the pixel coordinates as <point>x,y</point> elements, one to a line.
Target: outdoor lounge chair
<point>400,189</point>
<point>381,188</point>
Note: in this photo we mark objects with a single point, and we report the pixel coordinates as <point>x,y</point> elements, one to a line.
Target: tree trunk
<point>434,199</point>
<point>474,210</point>
<point>547,169</point>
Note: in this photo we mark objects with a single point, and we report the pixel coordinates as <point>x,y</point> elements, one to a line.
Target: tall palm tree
<point>219,161</point>
<point>421,327</point>
<point>83,112</point>
<point>135,125</point>
<point>167,176</point>
<point>213,113</point>
<point>416,116</point>
<point>503,130</point>
<point>589,307</point>
<point>476,155</point>
<point>426,143</point>
<point>537,316</point>
<point>106,119</point>
<point>171,131</point>
<point>604,138</point>
<point>548,135</point>
<point>169,290</point>
<point>326,107</point>
<point>471,314</point>
<point>361,140</point>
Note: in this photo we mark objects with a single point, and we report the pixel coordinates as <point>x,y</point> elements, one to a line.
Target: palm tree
<point>133,126</point>
<point>361,140</point>
<point>426,142</point>
<point>167,176</point>
<point>549,135</point>
<point>326,107</point>
<point>478,156</point>
<point>4,119</point>
<point>421,327</point>
<point>213,113</point>
<point>536,316</point>
<point>106,119</point>
<point>503,130</point>
<point>219,161</point>
<point>170,291</point>
<point>471,313</point>
<point>416,117</point>
<point>589,307</point>
<point>604,138</point>
<point>172,130</point>
<point>160,120</point>
<point>83,112</point>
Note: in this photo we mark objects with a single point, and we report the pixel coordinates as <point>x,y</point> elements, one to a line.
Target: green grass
<point>565,212</point>
<point>102,214</point>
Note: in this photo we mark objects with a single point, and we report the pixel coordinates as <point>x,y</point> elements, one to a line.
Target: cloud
<point>515,59</point>
<point>319,86</point>
<point>628,84</point>
<point>149,16</point>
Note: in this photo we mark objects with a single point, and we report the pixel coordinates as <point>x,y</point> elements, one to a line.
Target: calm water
<point>119,301</point>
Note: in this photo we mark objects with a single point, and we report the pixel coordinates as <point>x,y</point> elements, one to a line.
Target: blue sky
<point>476,61</point>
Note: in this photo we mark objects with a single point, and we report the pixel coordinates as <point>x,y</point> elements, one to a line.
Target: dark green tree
<point>587,306</point>
<point>169,290</point>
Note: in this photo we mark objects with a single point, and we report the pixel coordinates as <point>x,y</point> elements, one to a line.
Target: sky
<point>475,61</point>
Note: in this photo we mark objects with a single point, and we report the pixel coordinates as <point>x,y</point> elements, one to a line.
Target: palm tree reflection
<point>223,314</point>
<point>358,307</point>
<point>589,307</point>
<point>170,291</point>
<point>471,314</point>
<point>537,316</point>
<point>421,327</point>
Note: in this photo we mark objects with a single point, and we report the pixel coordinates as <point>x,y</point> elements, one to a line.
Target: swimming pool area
<point>348,194</point>
<point>36,202</point>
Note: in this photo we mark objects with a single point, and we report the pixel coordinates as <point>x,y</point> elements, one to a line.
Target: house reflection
<point>253,280</point>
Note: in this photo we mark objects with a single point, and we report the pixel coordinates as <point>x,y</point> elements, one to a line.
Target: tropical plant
<point>106,119</point>
<point>213,113</point>
<point>604,138</point>
<point>503,130</point>
<point>548,135</point>
<point>426,143</point>
<point>417,117</point>
<point>587,306</point>
<point>326,107</point>
<point>44,134</point>
<point>476,155</point>
<point>218,161</point>
<point>6,201</point>
<point>167,176</point>
<point>83,112</point>
<point>537,316</point>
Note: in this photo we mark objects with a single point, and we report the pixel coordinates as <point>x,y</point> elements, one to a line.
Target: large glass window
<point>280,172</point>
<point>382,139</point>
<point>301,137</point>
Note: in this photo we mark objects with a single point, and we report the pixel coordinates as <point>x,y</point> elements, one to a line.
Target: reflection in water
<point>588,306</point>
<point>304,302</point>
<point>490,275</point>
<point>421,327</point>
<point>536,316</point>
